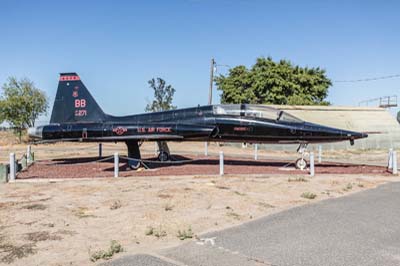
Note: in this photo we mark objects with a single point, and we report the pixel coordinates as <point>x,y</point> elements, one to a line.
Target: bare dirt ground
<point>50,221</point>
<point>63,223</point>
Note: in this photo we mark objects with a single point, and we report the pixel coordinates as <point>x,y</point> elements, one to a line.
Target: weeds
<point>298,179</point>
<point>157,232</point>
<point>81,212</point>
<point>160,233</point>
<point>37,206</point>
<point>41,236</point>
<point>185,234</point>
<point>16,252</point>
<point>233,215</point>
<point>308,195</point>
<point>168,207</point>
<point>149,231</point>
<point>266,205</point>
<point>239,193</point>
<point>348,187</point>
<point>116,205</point>
<point>114,248</point>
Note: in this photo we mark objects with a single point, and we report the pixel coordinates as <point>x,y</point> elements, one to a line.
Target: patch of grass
<point>233,215</point>
<point>116,205</point>
<point>308,195</point>
<point>239,193</point>
<point>114,248</point>
<point>149,231</point>
<point>185,233</point>
<point>81,212</point>
<point>222,187</point>
<point>327,192</point>
<point>41,236</point>
<point>297,179</point>
<point>266,205</point>
<point>15,252</point>
<point>168,207</point>
<point>348,187</point>
<point>66,232</point>
<point>157,232</point>
<point>160,232</point>
<point>37,206</point>
<point>360,185</point>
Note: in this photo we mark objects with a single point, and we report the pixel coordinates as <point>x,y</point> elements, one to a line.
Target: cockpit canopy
<point>252,110</point>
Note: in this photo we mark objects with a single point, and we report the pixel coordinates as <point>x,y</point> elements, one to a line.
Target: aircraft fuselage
<point>201,123</point>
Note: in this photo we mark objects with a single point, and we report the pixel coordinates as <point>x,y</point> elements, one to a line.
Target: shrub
<point>184,234</point>
<point>308,195</point>
<point>114,248</point>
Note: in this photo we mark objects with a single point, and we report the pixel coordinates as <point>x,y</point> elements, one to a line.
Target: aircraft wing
<point>117,138</point>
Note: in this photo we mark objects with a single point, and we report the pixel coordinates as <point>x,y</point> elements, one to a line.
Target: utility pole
<point>211,81</point>
<point>210,96</point>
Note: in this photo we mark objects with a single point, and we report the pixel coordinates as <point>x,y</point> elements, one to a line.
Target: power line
<point>369,79</point>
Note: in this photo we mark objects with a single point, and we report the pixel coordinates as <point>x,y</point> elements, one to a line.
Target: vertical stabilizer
<point>74,103</point>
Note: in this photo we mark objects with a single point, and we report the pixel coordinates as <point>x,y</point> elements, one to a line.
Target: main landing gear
<point>301,163</point>
<point>134,157</point>
<point>164,153</point>
<point>134,160</point>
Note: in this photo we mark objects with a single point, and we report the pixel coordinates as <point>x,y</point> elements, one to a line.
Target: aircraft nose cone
<point>354,135</point>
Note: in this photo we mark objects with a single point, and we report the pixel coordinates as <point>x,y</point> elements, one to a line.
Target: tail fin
<point>74,103</point>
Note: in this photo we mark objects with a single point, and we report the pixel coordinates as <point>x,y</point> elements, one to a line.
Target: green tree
<point>270,82</point>
<point>21,103</point>
<point>163,95</point>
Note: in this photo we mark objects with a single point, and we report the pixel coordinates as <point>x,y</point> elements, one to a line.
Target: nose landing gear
<point>301,163</point>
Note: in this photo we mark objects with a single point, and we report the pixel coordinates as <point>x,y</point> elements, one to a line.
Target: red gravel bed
<point>89,167</point>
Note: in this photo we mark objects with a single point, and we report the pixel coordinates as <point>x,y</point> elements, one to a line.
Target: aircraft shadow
<point>179,160</point>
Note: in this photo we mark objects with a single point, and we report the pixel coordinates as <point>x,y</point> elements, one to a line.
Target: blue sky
<point>117,46</point>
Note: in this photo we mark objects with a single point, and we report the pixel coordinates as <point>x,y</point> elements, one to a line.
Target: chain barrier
<point>160,162</point>
<point>43,162</point>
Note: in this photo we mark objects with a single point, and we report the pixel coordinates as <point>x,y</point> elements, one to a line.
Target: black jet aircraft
<point>76,116</point>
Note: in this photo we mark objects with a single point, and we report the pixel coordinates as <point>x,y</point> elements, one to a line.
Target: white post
<point>155,148</point>
<point>256,152</point>
<point>221,163</point>
<point>28,154</point>
<point>13,169</point>
<point>206,148</point>
<point>394,162</point>
<point>116,164</point>
<point>100,150</point>
<point>390,157</point>
<point>312,170</point>
<point>319,153</point>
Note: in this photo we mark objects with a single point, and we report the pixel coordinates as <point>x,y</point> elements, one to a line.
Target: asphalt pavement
<point>359,229</point>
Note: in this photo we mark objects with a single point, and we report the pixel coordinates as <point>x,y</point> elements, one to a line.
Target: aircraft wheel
<point>163,156</point>
<point>301,164</point>
<point>134,165</point>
